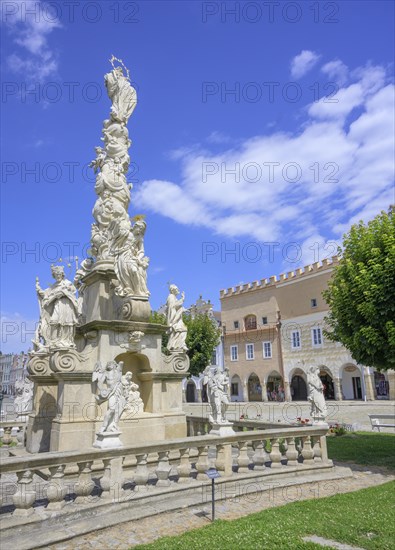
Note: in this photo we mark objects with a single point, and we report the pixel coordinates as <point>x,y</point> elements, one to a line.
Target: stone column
<point>264,391</point>
<point>245,391</point>
<point>287,391</point>
<point>369,385</point>
<point>338,389</point>
<point>391,383</point>
<point>199,395</point>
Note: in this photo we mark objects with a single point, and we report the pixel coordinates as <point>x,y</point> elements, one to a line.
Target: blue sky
<point>266,131</point>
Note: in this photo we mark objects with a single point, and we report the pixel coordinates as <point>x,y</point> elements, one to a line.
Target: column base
<point>108,440</point>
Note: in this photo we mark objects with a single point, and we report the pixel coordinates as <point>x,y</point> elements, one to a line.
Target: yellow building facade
<point>274,330</point>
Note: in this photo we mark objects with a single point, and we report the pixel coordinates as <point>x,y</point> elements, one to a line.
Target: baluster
<point>307,451</point>
<point>163,470</point>
<point>243,459</point>
<point>292,453</point>
<point>202,463</point>
<point>111,481</point>
<point>56,489</point>
<point>324,450</point>
<point>224,460</point>
<point>85,484</point>
<point>184,469</point>
<point>315,440</point>
<point>20,436</point>
<point>275,455</point>
<point>142,473</point>
<point>25,494</point>
<point>260,456</point>
<point>7,435</point>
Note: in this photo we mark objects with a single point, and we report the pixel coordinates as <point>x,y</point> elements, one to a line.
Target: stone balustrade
<point>150,468</point>
<point>197,425</point>
<point>12,433</point>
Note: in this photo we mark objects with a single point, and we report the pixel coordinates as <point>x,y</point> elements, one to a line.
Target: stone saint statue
<point>316,395</point>
<point>130,261</point>
<point>120,391</point>
<point>123,96</point>
<point>109,385</point>
<point>59,311</point>
<point>217,392</point>
<point>24,396</point>
<point>174,311</point>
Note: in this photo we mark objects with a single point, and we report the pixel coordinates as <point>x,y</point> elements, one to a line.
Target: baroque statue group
<point>117,249</point>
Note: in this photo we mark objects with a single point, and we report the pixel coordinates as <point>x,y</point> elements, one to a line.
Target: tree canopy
<point>202,338</point>
<point>361,293</point>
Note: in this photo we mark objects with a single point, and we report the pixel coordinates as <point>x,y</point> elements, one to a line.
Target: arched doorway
<point>381,385</point>
<point>236,389</point>
<point>327,382</point>
<point>275,387</point>
<point>298,388</point>
<point>254,388</point>
<point>351,379</point>
<point>191,396</point>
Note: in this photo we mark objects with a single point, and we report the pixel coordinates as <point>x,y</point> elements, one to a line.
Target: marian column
<point>99,372</point>
<point>117,243</point>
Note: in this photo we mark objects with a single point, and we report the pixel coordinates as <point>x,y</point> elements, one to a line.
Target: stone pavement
<point>128,535</point>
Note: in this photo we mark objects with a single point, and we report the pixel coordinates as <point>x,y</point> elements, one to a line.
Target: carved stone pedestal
<point>108,440</point>
<point>222,430</point>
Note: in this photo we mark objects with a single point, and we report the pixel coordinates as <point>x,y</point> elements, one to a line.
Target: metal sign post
<point>212,473</point>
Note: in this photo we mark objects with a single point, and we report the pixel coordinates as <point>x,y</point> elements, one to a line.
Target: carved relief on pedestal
<point>177,361</point>
<point>134,343</point>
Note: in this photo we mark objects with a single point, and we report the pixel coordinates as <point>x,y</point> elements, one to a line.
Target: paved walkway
<point>128,535</point>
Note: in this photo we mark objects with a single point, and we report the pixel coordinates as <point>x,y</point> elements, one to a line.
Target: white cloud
<point>29,24</point>
<point>340,104</point>
<point>336,70</point>
<point>302,63</point>
<point>341,161</point>
<point>218,137</point>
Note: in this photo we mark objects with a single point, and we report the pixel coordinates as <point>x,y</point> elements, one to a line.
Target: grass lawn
<point>364,518</point>
<point>367,448</point>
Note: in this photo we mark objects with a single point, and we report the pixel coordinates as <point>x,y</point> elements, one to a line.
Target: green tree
<point>361,293</point>
<point>203,336</point>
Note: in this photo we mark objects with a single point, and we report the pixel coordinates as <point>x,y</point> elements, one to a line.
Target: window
<point>250,322</point>
<point>313,302</point>
<point>316,337</point>
<point>234,388</point>
<point>267,350</point>
<point>234,353</point>
<point>236,324</point>
<point>295,339</point>
<point>264,320</point>
<point>214,357</point>
<point>250,351</point>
